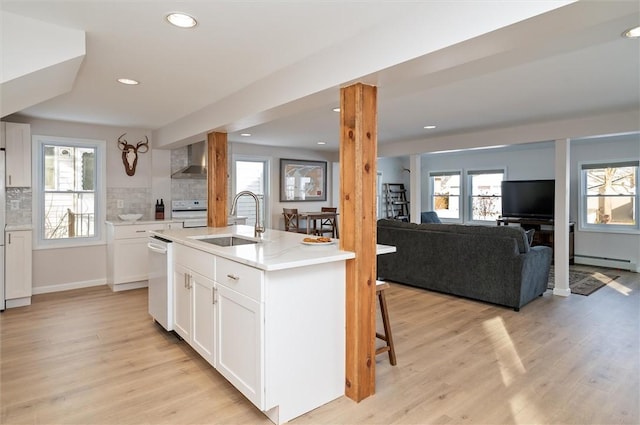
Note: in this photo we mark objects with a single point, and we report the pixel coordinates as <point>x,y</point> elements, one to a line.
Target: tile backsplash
<point>20,197</point>
<point>135,200</point>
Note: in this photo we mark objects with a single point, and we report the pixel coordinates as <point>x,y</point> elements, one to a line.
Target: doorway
<point>252,173</point>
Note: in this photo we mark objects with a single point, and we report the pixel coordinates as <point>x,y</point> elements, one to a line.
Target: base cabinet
<point>127,255</point>
<point>194,301</point>
<point>204,318</point>
<point>181,302</point>
<point>239,353</point>
<point>18,274</point>
<point>277,336</point>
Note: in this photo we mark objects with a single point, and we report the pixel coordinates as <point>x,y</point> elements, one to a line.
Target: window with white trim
<point>445,194</point>
<point>485,194</point>
<point>69,191</point>
<point>609,196</point>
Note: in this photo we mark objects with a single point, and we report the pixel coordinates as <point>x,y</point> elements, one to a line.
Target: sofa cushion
<point>514,232</point>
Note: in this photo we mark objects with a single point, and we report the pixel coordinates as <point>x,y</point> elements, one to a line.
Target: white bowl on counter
<point>129,217</point>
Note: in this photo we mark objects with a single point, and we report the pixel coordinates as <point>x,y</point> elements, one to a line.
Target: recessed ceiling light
<point>128,81</point>
<point>181,20</point>
<point>429,127</point>
<point>245,134</point>
<point>322,143</point>
<point>336,109</point>
<point>632,32</point>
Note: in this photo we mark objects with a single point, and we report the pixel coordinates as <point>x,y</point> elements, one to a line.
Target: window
<point>610,195</point>
<point>445,194</point>
<point>68,190</point>
<point>251,174</point>
<point>485,194</point>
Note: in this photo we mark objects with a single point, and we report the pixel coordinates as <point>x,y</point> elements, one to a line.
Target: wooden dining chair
<point>329,224</point>
<point>292,220</point>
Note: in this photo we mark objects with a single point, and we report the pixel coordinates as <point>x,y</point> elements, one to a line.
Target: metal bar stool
<point>386,337</point>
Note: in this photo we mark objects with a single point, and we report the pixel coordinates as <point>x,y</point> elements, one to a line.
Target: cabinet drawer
<point>195,260</point>
<point>242,279</point>
<point>135,230</point>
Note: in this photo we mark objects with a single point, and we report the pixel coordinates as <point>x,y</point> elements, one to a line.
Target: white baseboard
<point>129,285</point>
<point>606,262</point>
<point>68,286</point>
<point>17,302</point>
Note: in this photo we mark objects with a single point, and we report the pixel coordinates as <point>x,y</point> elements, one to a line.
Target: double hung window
<point>485,194</point>
<point>609,198</point>
<point>445,190</point>
<point>69,191</point>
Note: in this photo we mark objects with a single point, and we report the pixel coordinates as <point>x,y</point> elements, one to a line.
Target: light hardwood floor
<point>91,356</point>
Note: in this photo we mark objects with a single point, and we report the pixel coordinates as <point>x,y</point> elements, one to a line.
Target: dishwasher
<point>161,281</point>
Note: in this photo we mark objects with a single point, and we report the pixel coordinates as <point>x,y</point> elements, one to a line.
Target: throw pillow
<point>529,234</point>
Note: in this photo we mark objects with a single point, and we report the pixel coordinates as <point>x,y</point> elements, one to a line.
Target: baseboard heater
<point>615,263</point>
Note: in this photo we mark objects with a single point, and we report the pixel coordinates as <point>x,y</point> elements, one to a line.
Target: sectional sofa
<point>486,263</point>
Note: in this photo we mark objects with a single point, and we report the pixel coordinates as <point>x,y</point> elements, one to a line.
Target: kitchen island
<point>269,316</point>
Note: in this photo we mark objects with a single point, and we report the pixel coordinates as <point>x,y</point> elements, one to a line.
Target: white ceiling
<point>274,69</point>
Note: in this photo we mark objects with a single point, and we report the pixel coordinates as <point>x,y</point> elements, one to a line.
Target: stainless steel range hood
<point>196,163</point>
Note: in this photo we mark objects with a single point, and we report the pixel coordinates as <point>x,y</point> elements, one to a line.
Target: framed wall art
<point>302,180</point>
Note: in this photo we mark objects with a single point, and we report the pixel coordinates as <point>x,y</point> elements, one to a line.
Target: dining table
<point>312,217</point>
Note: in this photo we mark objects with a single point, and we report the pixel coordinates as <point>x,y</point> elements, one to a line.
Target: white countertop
<point>277,250</point>
<point>17,227</point>
<point>119,222</point>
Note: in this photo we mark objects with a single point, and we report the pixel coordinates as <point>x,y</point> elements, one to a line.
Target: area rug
<point>585,282</point>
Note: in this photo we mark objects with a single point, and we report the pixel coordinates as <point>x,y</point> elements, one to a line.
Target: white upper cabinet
<point>17,140</point>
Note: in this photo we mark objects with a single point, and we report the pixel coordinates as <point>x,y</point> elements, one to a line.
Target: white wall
<point>522,162</point>
<point>599,244</point>
<point>116,176</point>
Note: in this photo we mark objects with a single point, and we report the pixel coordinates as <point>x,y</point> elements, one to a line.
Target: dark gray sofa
<point>487,263</point>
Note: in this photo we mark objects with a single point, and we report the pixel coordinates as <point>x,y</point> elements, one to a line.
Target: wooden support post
<point>217,180</point>
<point>358,151</point>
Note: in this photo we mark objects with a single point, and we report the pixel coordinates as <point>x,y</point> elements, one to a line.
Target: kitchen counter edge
<point>279,251</point>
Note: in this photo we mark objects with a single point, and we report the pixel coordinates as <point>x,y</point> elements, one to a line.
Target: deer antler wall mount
<point>130,153</point>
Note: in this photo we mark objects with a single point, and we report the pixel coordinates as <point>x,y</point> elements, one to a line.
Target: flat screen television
<point>528,199</point>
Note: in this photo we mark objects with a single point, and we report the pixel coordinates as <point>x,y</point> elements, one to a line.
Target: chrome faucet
<point>259,230</point>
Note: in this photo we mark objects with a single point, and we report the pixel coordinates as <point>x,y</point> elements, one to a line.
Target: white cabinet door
<point>18,159</point>
<point>239,343</point>
<point>18,264</point>
<point>131,260</point>
<point>203,303</point>
<point>181,302</point>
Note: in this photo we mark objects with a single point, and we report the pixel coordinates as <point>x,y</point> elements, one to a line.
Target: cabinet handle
<point>213,295</point>
<point>186,277</point>
<point>141,231</point>
<point>234,277</point>
<point>9,179</point>
<point>9,242</point>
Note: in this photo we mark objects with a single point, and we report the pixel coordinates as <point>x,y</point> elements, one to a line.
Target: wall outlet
<point>120,203</point>
<point>15,204</point>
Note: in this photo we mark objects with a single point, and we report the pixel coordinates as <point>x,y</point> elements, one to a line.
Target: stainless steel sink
<point>228,241</point>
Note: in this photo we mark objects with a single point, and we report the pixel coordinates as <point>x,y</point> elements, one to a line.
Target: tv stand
<point>544,231</point>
